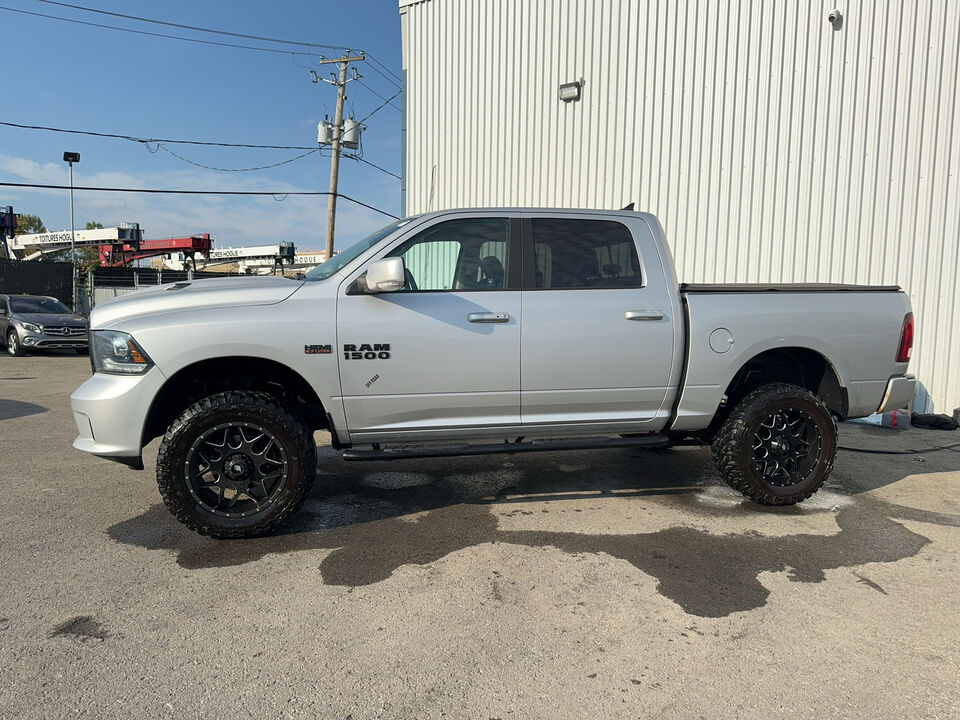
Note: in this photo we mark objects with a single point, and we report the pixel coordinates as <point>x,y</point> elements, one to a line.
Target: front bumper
<point>51,342</point>
<point>899,393</point>
<point>110,412</point>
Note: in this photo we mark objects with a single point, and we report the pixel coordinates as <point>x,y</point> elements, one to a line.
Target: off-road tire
<point>733,445</point>
<point>257,408</point>
<point>14,346</point>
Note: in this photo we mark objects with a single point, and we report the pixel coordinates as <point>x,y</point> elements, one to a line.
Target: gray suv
<point>35,322</point>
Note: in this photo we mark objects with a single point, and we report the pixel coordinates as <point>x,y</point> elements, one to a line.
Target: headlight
<point>117,353</point>
<point>30,327</point>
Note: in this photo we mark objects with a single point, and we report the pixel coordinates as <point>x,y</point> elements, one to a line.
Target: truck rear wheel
<point>778,445</point>
<point>235,464</point>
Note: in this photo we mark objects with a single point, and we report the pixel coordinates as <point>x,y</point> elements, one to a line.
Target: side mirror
<point>386,275</point>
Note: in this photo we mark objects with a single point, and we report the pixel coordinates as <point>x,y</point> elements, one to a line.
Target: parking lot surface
<point>602,584</point>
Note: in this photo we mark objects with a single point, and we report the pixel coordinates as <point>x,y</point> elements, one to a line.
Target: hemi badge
<point>317,349</point>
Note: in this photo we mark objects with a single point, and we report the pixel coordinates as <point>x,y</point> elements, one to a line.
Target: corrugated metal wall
<point>773,145</point>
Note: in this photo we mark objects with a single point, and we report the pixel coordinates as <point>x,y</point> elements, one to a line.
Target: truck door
<point>442,355</point>
<point>598,333</point>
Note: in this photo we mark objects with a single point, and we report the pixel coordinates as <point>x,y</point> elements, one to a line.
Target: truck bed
<point>707,288</point>
<point>857,333</point>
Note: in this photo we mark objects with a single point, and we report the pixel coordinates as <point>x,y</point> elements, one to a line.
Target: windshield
<point>38,305</point>
<point>325,270</point>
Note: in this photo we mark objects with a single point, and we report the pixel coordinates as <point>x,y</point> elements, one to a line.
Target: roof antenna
<point>628,207</point>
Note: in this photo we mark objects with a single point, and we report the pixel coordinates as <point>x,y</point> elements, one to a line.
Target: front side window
<point>467,254</point>
<point>341,259</point>
<point>584,254</point>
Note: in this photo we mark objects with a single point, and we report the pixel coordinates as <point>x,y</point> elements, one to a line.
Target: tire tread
<point>728,444</point>
<point>167,463</point>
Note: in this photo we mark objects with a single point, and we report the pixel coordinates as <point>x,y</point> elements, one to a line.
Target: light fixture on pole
<point>70,158</point>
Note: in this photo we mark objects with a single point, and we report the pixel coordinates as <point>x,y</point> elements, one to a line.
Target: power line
<point>386,100</point>
<point>379,72</point>
<point>336,48</point>
<point>380,107</point>
<point>374,60</point>
<point>155,191</point>
<point>160,142</point>
<point>246,169</point>
<point>150,34</point>
<point>133,138</point>
<point>367,162</point>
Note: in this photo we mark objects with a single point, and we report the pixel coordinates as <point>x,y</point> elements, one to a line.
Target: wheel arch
<point>795,365</point>
<point>800,366</point>
<point>212,375</point>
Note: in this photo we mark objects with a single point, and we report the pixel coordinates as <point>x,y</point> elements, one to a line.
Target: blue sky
<point>79,77</point>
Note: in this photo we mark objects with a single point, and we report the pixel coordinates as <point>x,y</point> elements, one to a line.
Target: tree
<point>29,224</point>
<point>88,258</point>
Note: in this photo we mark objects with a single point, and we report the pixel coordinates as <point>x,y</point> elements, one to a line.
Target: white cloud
<point>230,220</point>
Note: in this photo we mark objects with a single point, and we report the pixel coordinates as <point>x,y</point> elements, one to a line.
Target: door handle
<point>488,317</point>
<point>643,315</point>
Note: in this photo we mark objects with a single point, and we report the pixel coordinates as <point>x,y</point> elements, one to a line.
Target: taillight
<point>906,339</point>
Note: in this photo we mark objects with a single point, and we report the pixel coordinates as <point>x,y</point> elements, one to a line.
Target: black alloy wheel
<point>786,447</point>
<point>777,446</point>
<point>236,464</point>
<point>236,469</point>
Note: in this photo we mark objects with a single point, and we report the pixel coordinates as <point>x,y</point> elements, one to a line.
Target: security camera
<point>833,17</point>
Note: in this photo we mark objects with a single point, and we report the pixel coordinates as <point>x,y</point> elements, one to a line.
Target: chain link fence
<point>104,284</point>
<point>19,277</point>
<point>37,278</point>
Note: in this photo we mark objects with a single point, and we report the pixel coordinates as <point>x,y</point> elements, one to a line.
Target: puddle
<point>372,533</point>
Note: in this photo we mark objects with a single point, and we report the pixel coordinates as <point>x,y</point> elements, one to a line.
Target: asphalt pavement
<point>600,584</point>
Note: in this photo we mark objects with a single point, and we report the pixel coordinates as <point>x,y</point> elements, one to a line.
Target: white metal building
<point>773,144</point>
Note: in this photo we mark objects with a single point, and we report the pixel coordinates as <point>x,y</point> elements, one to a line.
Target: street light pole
<point>70,158</point>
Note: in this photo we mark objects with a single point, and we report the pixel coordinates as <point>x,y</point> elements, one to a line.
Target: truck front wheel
<point>778,445</point>
<point>235,464</point>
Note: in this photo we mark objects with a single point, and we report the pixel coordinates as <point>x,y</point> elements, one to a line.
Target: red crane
<point>119,255</point>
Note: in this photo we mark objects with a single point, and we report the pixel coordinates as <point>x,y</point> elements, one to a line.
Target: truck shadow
<point>374,522</point>
<point>13,409</point>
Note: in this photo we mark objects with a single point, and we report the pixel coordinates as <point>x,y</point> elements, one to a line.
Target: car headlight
<point>117,353</point>
<point>30,327</point>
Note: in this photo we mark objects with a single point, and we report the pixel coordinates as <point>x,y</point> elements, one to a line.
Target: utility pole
<point>341,84</point>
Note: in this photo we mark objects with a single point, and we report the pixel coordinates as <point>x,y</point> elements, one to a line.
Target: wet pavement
<point>614,583</point>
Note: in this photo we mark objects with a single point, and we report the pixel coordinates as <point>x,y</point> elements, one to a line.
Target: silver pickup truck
<point>482,331</point>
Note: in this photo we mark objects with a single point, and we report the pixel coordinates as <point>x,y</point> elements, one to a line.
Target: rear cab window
<point>578,254</point>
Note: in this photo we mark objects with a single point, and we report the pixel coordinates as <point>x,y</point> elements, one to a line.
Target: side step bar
<point>427,451</point>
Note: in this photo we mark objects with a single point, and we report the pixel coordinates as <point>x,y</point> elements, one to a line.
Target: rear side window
<point>468,254</point>
<point>584,254</point>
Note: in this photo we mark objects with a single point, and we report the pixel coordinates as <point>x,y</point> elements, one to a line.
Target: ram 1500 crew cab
<point>474,331</point>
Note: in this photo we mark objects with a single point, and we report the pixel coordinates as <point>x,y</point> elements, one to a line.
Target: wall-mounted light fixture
<point>570,92</point>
